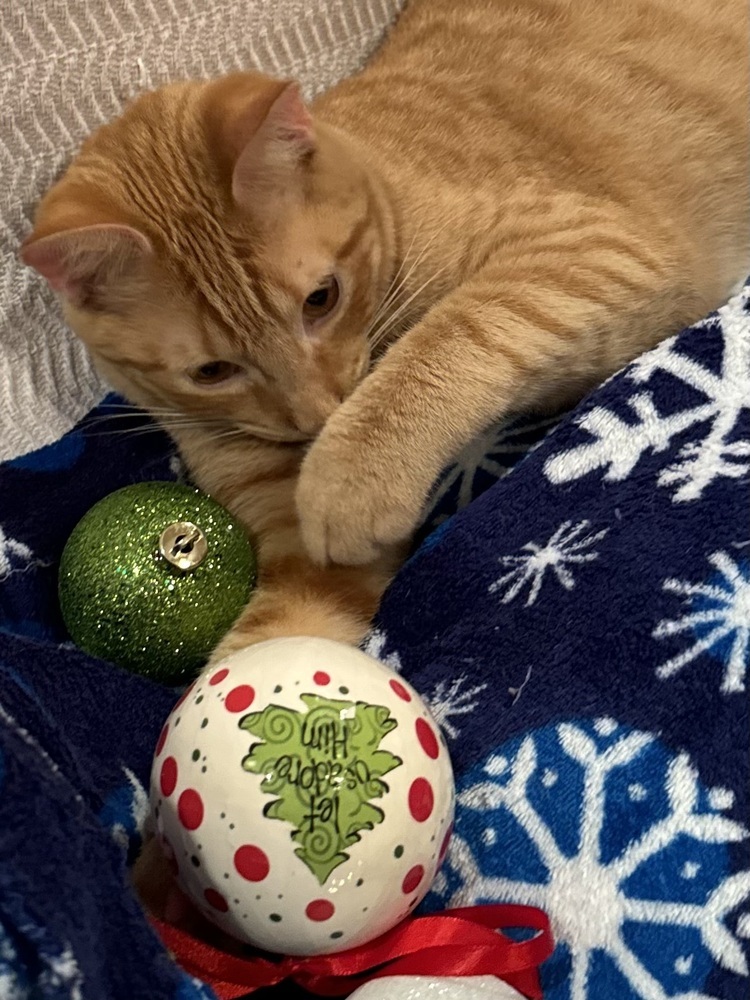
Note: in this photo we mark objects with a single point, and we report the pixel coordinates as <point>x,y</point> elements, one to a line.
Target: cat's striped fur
<point>517,197</point>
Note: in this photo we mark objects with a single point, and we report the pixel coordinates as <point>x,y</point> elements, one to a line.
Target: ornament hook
<point>183,545</point>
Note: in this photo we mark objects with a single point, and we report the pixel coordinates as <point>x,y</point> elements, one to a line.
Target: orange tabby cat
<point>514,199</point>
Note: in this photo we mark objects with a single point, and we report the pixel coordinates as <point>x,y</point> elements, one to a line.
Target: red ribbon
<point>462,942</point>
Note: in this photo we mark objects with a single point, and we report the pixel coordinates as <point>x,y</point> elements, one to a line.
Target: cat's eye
<point>214,372</point>
<point>320,302</point>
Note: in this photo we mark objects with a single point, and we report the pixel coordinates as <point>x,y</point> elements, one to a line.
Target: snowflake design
<point>489,457</point>
<point>718,618</point>
<point>11,986</point>
<point>568,546</point>
<point>619,445</point>
<point>57,974</point>
<point>448,698</point>
<point>15,557</point>
<point>126,811</point>
<point>451,699</point>
<point>615,837</point>
<point>61,972</point>
<point>375,645</point>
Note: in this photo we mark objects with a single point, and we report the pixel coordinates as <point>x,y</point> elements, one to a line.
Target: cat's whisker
<point>395,285</point>
<point>149,420</point>
<point>159,414</point>
<point>393,293</point>
<point>106,417</point>
<point>155,424</point>
<point>388,325</point>
<point>132,431</point>
<point>137,414</point>
<point>390,299</point>
<point>136,410</point>
<point>168,421</point>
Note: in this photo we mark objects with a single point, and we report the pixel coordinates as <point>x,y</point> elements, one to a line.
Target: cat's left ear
<point>277,153</point>
<point>87,264</point>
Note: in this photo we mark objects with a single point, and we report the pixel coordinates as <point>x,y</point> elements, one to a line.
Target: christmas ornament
<point>429,988</point>
<point>303,795</point>
<point>153,576</point>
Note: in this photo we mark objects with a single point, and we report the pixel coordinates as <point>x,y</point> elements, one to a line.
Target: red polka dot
<point>190,809</point>
<point>321,677</point>
<point>319,909</point>
<point>168,777</point>
<point>421,799</point>
<point>412,879</point>
<point>162,739</point>
<point>184,695</point>
<point>400,690</point>
<point>444,846</point>
<point>215,899</point>
<point>427,739</point>
<point>251,863</point>
<point>240,698</point>
<point>219,676</point>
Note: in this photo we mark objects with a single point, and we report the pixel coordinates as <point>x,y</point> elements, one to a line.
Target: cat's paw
<point>356,495</point>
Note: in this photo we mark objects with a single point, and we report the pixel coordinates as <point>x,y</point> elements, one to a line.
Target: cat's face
<point>231,277</point>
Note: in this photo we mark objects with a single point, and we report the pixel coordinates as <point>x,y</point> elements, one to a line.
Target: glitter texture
<point>122,601</point>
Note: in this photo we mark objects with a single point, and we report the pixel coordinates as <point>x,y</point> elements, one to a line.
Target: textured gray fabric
<point>67,66</point>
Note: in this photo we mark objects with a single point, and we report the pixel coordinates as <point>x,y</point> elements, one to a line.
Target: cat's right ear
<point>273,159</point>
<point>84,263</point>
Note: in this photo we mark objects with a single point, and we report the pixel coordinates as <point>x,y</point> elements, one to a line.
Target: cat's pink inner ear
<point>75,258</point>
<point>282,142</point>
<point>290,122</point>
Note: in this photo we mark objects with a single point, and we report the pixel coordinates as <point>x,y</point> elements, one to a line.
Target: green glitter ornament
<point>153,576</point>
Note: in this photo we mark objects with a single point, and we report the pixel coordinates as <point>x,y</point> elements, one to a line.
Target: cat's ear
<point>81,264</point>
<point>278,149</point>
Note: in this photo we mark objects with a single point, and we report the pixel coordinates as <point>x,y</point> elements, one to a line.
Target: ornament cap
<point>183,545</point>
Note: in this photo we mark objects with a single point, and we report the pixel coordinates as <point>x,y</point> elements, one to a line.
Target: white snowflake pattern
<point>11,987</point>
<point>375,644</point>
<point>15,557</point>
<point>451,699</point>
<point>494,452</point>
<point>718,617</point>
<point>570,545</point>
<point>619,445</point>
<point>585,894</point>
<point>61,971</point>
<point>139,812</point>
<point>447,700</point>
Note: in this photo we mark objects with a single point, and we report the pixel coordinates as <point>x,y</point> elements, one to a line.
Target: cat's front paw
<point>357,495</point>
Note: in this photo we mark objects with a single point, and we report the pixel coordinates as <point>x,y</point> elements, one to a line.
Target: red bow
<point>462,942</point>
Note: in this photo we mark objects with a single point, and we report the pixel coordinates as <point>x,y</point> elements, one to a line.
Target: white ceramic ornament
<point>429,988</point>
<point>304,796</point>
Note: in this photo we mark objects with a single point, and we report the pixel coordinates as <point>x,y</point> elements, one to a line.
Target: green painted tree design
<point>325,767</point>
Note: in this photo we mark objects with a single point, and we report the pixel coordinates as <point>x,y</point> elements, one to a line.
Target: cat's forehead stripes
<point>172,186</point>
<point>361,228</point>
<point>127,357</point>
<point>164,166</point>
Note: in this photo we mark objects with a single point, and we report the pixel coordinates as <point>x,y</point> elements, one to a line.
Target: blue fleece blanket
<point>581,631</point>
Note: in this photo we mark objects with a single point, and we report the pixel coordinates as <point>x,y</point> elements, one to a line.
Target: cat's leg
<point>256,481</point>
<point>531,329</point>
<point>297,597</point>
